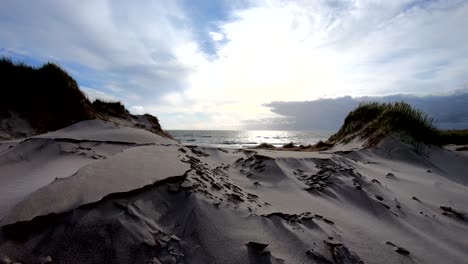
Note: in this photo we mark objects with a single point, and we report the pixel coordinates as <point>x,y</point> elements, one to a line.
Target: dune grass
<point>289,145</point>
<point>50,99</point>
<point>46,96</point>
<point>110,108</point>
<point>457,137</point>
<point>265,146</point>
<point>373,121</point>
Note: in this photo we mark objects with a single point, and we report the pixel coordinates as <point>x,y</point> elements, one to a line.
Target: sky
<point>447,112</point>
<point>210,64</point>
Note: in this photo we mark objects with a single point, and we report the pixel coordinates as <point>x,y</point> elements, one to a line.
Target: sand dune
<point>99,130</point>
<point>99,193</point>
<point>31,164</point>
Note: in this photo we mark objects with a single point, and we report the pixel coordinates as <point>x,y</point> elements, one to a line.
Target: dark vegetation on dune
<point>48,98</point>
<point>457,137</point>
<point>110,108</point>
<point>373,121</point>
<point>265,146</point>
<point>291,146</point>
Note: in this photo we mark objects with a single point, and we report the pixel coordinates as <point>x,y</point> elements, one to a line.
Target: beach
<point>98,192</point>
<point>233,132</point>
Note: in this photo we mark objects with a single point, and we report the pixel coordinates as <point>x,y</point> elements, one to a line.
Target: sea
<point>246,139</point>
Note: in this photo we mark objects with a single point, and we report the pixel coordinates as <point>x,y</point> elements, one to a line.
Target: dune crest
<point>47,98</point>
<point>138,197</point>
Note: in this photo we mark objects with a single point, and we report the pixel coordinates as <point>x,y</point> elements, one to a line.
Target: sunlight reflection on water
<point>242,139</point>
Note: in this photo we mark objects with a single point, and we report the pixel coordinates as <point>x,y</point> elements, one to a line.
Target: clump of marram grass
<point>265,146</point>
<point>110,108</point>
<point>46,96</point>
<point>457,137</point>
<point>49,99</point>
<point>358,118</point>
<point>373,121</point>
<point>320,146</point>
<point>289,145</point>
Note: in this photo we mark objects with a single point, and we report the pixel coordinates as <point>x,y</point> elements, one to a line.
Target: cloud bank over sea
<point>448,112</point>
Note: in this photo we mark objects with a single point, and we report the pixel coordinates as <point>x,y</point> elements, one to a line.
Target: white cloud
<point>291,51</point>
<point>216,36</point>
<point>137,110</point>
<point>94,94</point>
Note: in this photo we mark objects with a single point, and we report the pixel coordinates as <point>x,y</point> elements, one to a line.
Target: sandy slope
<point>148,200</point>
<point>98,130</point>
<point>31,164</point>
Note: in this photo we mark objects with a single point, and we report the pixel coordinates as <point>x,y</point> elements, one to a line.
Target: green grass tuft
<point>373,121</point>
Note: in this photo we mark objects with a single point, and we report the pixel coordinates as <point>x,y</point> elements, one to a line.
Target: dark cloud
<point>449,112</point>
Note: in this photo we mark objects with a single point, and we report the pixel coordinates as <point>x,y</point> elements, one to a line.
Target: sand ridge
<point>148,201</point>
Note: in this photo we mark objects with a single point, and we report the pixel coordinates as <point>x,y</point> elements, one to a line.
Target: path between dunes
<point>124,196</point>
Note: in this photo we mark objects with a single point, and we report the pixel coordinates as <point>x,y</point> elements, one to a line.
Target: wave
<point>235,143</point>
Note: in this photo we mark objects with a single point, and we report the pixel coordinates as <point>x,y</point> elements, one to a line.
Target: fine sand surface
<point>96,192</point>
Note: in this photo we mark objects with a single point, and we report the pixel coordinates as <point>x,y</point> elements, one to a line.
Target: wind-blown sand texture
<point>96,192</point>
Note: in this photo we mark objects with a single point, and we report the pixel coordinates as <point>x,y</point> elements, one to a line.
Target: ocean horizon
<point>247,138</point>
